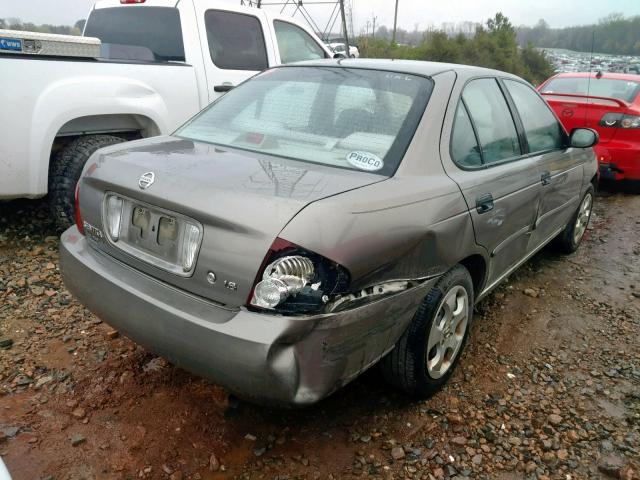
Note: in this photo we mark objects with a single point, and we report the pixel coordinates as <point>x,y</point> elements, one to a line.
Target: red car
<point>610,104</point>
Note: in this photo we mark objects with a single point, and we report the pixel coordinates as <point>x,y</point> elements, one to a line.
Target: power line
<point>339,10</point>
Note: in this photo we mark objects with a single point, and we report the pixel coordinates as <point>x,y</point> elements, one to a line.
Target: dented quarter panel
<point>422,235</point>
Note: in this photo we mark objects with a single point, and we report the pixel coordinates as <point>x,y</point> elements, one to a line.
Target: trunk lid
<point>242,200</point>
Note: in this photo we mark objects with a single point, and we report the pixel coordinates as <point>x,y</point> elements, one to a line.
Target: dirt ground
<point>548,387</point>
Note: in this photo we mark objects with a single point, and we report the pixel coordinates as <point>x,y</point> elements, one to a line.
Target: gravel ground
<point>549,385</point>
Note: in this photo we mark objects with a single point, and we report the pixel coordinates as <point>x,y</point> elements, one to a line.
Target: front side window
<point>542,129</point>
<point>236,41</point>
<point>295,44</point>
<point>493,121</point>
<point>343,117</point>
<point>138,33</point>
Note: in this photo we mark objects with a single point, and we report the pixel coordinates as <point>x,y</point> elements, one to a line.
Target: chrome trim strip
<point>555,210</point>
<point>510,238</point>
<point>515,267</point>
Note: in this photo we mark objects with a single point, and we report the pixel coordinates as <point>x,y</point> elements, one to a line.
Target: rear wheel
<point>569,240</point>
<point>65,172</point>
<point>425,356</point>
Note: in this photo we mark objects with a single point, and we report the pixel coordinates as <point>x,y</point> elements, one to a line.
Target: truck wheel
<point>569,240</point>
<point>425,356</point>
<point>65,172</point>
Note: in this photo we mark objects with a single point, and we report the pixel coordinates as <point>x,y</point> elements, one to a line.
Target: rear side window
<point>542,129</point>
<point>464,145</point>
<point>138,33</point>
<point>492,119</point>
<point>236,41</point>
<point>295,44</point>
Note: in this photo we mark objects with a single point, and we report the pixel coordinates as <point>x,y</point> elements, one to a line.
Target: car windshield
<point>343,117</point>
<point>625,90</point>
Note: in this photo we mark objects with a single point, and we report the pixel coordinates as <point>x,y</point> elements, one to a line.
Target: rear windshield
<point>625,90</point>
<point>343,117</point>
<point>138,33</point>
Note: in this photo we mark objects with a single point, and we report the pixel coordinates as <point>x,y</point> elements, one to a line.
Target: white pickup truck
<point>161,62</point>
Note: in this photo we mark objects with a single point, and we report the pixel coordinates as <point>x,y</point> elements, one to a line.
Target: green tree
<point>493,45</point>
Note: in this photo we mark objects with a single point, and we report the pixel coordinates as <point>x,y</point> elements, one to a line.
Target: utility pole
<point>344,29</point>
<point>373,32</point>
<point>351,19</point>
<point>395,24</point>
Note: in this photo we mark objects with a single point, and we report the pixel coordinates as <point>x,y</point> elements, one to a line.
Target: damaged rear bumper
<point>261,357</point>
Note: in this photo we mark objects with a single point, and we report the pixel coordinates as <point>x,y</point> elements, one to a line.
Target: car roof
<point>615,76</point>
<point>416,67</point>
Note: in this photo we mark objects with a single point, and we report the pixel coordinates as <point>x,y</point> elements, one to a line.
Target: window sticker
<point>11,44</point>
<point>365,161</point>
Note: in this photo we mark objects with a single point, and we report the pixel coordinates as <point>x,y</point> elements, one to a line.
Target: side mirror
<point>584,137</point>
<point>339,55</point>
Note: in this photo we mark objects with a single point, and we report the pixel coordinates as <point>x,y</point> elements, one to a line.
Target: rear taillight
<point>126,2</point>
<point>76,209</point>
<point>294,280</point>
<point>619,120</point>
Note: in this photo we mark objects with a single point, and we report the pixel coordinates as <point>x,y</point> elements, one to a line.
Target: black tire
<point>65,172</point>
<point>566,241</point>
<point>405,367</point>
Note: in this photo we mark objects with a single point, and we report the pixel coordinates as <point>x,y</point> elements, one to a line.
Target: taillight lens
<point>296,280</point>
<point>619,120</point>
<point>126,2</point>
<point>76,209</point>
<point>113,213</point>
<point>190,244</point>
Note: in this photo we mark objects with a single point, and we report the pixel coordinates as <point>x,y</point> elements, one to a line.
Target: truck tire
<point>412,366</point>
<point>65,172</point>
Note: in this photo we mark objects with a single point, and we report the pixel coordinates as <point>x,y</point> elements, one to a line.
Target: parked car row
<point>326,216</point>
<point>340,49</point>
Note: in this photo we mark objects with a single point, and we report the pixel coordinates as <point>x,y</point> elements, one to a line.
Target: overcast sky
<point>558,13</point>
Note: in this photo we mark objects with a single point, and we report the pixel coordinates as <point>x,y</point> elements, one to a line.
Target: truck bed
<point>48,97</point>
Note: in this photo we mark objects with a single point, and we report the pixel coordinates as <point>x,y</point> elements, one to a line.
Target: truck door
<point>235,46</point>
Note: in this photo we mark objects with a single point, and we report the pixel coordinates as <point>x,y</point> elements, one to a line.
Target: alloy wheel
<point>582,220</point>
<point>447,331</point>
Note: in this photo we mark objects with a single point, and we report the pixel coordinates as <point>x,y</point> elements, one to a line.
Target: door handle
<point>545,178</point>
<point>484,203</point>
<point>223,88</point>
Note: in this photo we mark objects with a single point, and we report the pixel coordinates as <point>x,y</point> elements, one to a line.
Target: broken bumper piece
<point>261,357</point>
